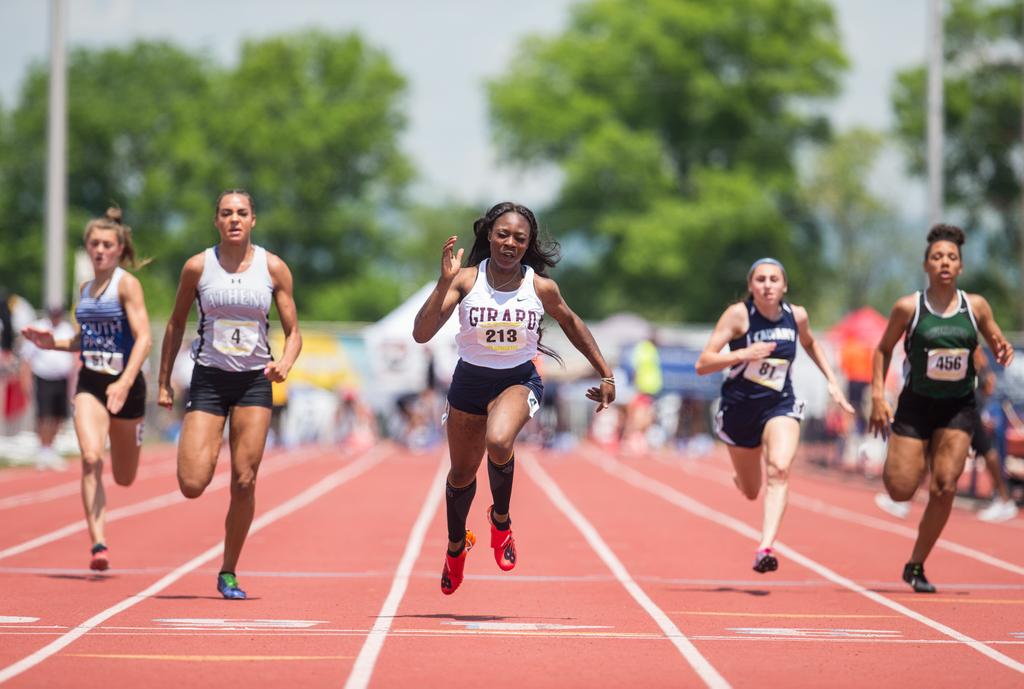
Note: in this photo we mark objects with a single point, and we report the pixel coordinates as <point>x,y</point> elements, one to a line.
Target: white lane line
<point>306,497</point>
<point>362,670</point>
<point>697,661</point>
<point>219,481</point>
<point>685,502</point>
<point>75,487</point>
<point>851,516</point>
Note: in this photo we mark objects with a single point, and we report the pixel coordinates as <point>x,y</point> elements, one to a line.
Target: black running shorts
<point>216,391</point>
<point>92,383</point>
<point>919,417</point>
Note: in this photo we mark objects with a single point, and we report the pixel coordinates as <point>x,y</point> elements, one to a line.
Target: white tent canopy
<point>400,364</point>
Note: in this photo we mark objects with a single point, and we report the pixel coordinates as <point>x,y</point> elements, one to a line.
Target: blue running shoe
<point>227,584</point>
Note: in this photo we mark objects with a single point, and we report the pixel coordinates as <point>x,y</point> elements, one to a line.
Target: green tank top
<point>940,350</point>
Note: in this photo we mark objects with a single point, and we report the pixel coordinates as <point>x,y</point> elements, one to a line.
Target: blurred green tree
<point>308,123</point>
<point>983,148</point>
<point>866,252</point>
<point>675,123</point>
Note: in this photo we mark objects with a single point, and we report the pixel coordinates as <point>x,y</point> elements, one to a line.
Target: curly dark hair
<point>540,255</point>
<point>945,233</point>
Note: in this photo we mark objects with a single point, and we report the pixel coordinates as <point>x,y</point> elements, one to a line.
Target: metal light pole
<point>56,161</point>
<point>935,112</point>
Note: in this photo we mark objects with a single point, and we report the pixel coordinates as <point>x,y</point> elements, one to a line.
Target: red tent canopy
<point>865,325</point>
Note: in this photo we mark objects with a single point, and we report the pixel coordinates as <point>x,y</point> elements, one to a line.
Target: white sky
<point>446,49</point>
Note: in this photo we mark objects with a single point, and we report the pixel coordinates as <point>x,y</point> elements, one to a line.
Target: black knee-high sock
<point>501,485</point>
<point>458,501</point>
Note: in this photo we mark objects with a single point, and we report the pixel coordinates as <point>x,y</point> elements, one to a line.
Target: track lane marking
<point>221,480</point>
<point>843,514</point>
<point>201,659</point>
<point>697,661</point>
<point>362,669</point>
<point>709,613</point>
<point>679,499</point>
<point>306,497</point>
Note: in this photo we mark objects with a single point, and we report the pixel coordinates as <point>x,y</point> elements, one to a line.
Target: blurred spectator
<point>647,381</point>
<point>13,398</point>
<point>356,423</point>
<point>48,372</point>
<point>1002,507</point>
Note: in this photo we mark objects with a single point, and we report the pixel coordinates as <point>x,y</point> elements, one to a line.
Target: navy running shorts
<point>918,416</point>
<point>473,387</point>
<point>742,423</point>
<point>215,391</point>
<point>94,383</point>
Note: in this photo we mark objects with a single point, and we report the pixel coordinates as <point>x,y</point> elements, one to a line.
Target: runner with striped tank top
<point>232,285</point>
<point>759,416</point>
<point>502,297</point>
<point>113,339</point>
<point>936,414</point>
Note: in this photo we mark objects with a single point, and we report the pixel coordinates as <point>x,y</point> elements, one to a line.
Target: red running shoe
<point>100,558</point>
<point>503,543</point>
<point>451,575</point>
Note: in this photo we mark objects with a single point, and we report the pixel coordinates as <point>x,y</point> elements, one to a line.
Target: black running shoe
<point>913,574</point>
<point>765,561</point>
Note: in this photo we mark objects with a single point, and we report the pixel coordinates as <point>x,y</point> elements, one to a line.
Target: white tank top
<point>499,329</point>
<point>233,311</point>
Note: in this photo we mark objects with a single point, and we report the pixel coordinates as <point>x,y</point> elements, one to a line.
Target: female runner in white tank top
<point>110,398</point>
<point>232,285</point>
<point>501,296</point>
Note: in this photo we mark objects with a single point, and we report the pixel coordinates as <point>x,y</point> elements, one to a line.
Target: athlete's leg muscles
<point>125,445</point>
<point>466,433</point>
<point>92,423</point>
<point>905,466</point>
<point>506,416</point>
<point>198,447</point>
<point>746,462</point>
<point>781,437</point>
<point>247,438</point>
<point>948,454</point>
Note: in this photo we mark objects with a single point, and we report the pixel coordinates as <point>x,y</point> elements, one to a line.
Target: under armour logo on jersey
<point>236,281</point>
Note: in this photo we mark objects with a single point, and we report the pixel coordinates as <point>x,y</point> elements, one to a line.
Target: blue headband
<point>767,261</point>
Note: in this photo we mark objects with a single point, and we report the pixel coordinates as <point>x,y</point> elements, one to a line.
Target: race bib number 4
<point>502,336</point>
<point>770,373</point>
<point>947,364</point>
<point>235,338</point>
<point>111,363</point>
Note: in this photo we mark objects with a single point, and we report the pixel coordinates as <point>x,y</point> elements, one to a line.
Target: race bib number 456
<point>501,336</point>
<point>235,338</point>
<point>770,373</point>
<point>947,364</point>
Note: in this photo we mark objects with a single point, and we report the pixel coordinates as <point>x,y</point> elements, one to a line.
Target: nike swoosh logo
<point>521,298</point>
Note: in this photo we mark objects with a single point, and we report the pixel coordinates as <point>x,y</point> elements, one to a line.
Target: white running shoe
<point>999,510</point>
<point>49,460</point>
<point>900,510</point>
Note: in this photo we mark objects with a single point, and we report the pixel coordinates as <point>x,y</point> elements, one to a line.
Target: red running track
<point>632,572</point>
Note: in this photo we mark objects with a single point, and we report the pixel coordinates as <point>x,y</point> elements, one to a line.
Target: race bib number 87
<point>947,364</point>
<point>770,373</point>
<point>235,338</point>
<point>501,336</point>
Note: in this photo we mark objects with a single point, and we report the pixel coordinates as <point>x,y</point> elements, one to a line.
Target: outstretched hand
<point>881,418</point>
<point>1004,352</point>
<point>839,398</point>
<point>451,262</point>
<point>603,395</point>
<point>39,337</point>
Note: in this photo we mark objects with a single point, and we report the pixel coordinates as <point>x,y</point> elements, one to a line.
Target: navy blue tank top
<point>770,377</point>
<point>107,338</point>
